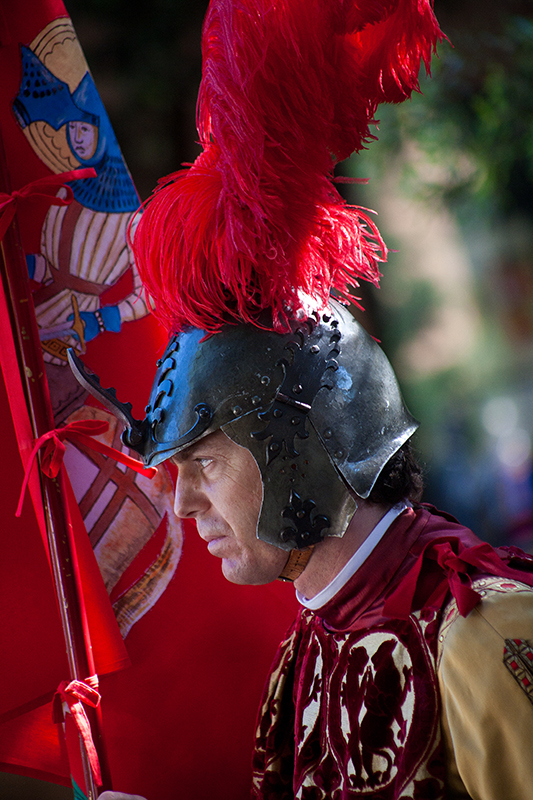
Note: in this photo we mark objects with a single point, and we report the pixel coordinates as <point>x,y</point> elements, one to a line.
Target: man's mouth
<point>214,543</point>
<point>211,537</point>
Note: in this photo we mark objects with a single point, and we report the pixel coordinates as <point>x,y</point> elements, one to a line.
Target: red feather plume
<point>289,88</point>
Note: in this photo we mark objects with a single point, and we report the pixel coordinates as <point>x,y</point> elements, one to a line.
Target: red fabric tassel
<point>80,431</point>
<point>289,88</point>
<point>75,694</point>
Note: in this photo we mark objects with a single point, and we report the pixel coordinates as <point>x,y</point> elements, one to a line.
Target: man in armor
<point>293,457</point>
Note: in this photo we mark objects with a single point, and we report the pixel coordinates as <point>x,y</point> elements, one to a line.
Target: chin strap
<point>296,563</point>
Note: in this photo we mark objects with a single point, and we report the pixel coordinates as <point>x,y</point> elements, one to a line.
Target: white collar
<point>358,558</point>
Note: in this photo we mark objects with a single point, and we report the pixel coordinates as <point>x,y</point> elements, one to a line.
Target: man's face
<point>219,485</point>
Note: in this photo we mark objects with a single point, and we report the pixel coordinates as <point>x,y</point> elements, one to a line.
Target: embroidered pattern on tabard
<point>365,717</point>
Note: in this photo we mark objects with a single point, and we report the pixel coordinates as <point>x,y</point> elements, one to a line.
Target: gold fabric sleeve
<point>487,718</point>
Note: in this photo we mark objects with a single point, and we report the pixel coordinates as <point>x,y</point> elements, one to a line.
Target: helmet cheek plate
<point>294,514</point>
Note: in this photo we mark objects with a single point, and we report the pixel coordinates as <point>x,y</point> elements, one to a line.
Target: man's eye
<point>204,462</point>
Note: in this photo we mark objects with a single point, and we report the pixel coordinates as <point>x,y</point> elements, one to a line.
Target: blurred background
<point>452,179</point>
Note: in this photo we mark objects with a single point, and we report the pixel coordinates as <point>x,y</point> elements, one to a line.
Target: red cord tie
<point>455,568</point>
<point>75,694</point>
<point>80,431</point>
<point>45,188</point>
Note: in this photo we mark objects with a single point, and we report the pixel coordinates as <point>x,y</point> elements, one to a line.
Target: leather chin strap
<point>296,563</point>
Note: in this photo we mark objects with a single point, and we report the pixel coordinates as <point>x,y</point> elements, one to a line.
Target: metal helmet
<point>319,409</point>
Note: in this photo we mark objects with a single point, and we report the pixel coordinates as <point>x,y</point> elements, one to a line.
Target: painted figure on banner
<point>84,251</point>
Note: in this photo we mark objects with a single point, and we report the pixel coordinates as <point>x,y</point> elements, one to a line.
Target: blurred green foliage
<point>474,118</point>
<point>462,147</point>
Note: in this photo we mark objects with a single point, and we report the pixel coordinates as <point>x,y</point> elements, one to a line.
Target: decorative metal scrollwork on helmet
<point>307,526</point>
<point>313,352</point>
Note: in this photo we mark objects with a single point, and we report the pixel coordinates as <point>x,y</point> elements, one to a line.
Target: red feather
<point>289,88</point>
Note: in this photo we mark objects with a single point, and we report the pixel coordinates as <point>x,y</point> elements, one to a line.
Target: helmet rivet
<point>236,410</point>
<point>256,400</point>
<point>339,453</point>
<point>159,362</point>
<point>277,413</point>
<point>295,421</point>
<point>297,388</point>
<point>286,534</point>
<point>328,433</point>
<point>147,409</point>
<point>300,514</point>
<point>274,447</point>
<point>265,380</point>
<point>314,349</point>
<point>305,536</point>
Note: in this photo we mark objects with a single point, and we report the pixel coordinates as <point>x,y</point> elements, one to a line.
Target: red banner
<point>180,720</point>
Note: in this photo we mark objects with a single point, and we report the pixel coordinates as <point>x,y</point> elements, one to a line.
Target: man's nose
<point>189,500</point>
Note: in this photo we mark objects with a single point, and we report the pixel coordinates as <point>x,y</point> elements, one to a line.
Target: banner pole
<point>32,375</point>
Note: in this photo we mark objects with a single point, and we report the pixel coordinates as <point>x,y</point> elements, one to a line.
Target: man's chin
<point>244,575</point>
